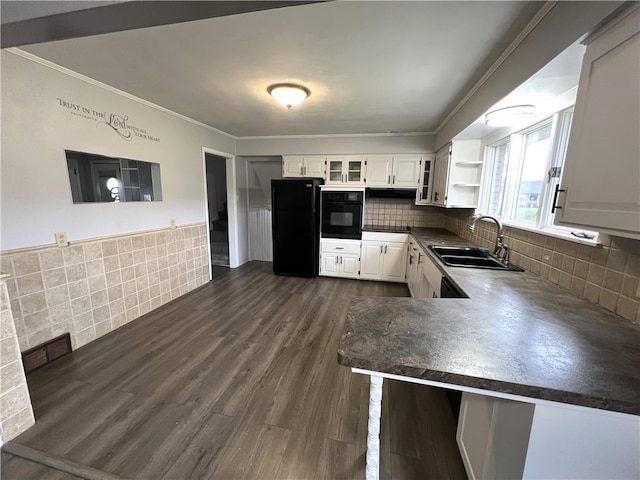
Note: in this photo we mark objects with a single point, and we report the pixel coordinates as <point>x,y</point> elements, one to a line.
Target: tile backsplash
<point>607,275</point>
<point>400,212</point>
<point>92,287</point>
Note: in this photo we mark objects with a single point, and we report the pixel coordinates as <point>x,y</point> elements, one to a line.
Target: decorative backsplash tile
<point>608,274</point>
<point>93,287</point>
<point>400,213</point>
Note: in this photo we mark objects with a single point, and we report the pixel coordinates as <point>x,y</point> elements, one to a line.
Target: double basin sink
<point>471,257</point>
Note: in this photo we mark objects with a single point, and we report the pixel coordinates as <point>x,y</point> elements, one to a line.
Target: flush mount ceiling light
<point>288,94</point>
<point>509,116</point>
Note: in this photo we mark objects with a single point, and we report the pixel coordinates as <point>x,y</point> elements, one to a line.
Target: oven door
<point>342,220</point>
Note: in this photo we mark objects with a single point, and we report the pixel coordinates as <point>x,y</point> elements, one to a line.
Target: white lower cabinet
<point>432,278</point>
<point>506,438</point>
<point>384,256</point>
<point>340,258</point>
<point>493,435</point>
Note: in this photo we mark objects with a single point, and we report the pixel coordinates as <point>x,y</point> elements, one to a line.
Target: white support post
<point>373,438</point>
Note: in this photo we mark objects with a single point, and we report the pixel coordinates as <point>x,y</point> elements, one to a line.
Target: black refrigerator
<point>296,226</point>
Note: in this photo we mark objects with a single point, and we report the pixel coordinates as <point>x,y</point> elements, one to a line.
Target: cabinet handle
<point>389,180</point>
<point>394,179</point>
<point>301,170</point>
<point>305,170</point>
<point>385,249</point>
<point>435,197</point>
<point>420,196</point>
<point>339,248</point>
<point>381,250</point>
<point>419,258</point>
<point>340,259</point>
<point>410,259</point>
<point>554,205</point>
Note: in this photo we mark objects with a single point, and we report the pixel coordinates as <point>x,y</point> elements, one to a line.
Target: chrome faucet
<point>500,251</point>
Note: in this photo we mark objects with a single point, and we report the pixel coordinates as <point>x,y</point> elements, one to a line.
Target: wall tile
<point>78,289</point>
<point>124,245</point>
<point>26,263</point>
<point>73,255</point>
<point>31,283</point>
<point>95,267</point>
<point>80,305</point>
<point>61,312</point>
<point>101,314</point>
<point>33,303</point>
<point>627,308</point>
<point>607,275</point>
<point>109,248</point>
<point>84,285</point>
<point>51,258</point>
<point>630,286</point>
<point>18,423</point>
<point>612,280</point>
<point>76,272</point>
<point>608,299</point>
<point>92,252</point>
<point>9,351</point>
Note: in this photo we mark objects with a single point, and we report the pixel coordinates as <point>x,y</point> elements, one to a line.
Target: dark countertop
<point>516,334</point>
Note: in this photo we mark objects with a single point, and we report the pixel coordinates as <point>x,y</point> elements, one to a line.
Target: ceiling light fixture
<point>509,116</point>
<point>288,94</point>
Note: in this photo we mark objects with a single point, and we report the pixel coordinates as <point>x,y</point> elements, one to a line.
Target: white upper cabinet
<point>304,166</point>
<point>423,194</point>
<point>600,186</point>
<point>346,170</point>
<point>456,175</point>
<point>406,171</point>
<point>397,171</point>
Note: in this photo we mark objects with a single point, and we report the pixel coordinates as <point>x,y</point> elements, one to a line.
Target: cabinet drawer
<point>340,246</point>
<point>385,237</point>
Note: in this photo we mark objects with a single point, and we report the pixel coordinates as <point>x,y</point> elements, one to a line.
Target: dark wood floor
<point>237,380</point>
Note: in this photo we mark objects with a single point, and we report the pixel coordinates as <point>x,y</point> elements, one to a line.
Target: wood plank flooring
<point>236,380</point>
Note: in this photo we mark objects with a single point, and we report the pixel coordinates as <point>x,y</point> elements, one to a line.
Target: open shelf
<point>471,163</point>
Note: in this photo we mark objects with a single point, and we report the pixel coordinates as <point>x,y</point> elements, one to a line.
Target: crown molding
<point>104,86</point>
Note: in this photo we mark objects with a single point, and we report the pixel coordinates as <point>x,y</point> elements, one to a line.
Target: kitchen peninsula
<point>562,372</point>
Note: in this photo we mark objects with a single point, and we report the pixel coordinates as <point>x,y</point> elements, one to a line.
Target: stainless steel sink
<point>470,257</point>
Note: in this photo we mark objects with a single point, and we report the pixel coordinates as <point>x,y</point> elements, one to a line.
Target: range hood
<point>390,193</point>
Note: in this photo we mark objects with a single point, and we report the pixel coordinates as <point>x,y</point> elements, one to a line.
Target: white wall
<point>37,128</point>
<point>339,145</point>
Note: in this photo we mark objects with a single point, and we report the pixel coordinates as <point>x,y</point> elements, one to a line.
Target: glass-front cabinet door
<point>346,170</point>
<point>423,195</point>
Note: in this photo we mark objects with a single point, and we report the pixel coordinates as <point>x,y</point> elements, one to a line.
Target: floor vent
<point>46,352</point>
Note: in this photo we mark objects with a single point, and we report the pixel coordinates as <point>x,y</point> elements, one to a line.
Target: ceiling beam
<point>27,22</point>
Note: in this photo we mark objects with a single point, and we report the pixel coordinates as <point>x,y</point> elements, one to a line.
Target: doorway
<point>216,174</point>
<point>260,172</point>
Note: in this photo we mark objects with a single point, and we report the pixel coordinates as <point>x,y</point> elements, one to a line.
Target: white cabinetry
<point>384,256</point>
<point>398,171</point>
<point>432,277</point>
<point>345,170</point>
<point>601,179</point>
<point>300,166</point>
<point>493,435</point>
<point>340,258</point>
<point>423,194</point>
<point>456,175</point>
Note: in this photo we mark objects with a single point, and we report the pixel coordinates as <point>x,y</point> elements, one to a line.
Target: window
<point>521,174</point>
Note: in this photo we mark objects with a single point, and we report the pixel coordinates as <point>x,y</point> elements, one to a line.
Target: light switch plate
<point>61,239</point>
